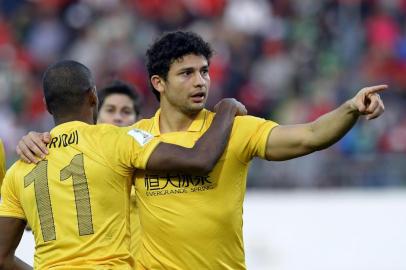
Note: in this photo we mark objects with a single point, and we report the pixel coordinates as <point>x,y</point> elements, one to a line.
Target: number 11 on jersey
<point>75,170</point>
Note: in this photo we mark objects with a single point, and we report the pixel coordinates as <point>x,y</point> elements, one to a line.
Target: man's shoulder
<point>144,124</point>
<point>239,121</point>
<point>90,139</point>
<point>249,120</point>
<point>82,128</point>
<point>246,126</point>
<point>102,130</point>
<point>19,168</point>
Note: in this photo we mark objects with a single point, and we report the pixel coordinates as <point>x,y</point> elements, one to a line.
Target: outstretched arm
<point>207,150</point>
<point>11,231</point>
<point>290,141</point>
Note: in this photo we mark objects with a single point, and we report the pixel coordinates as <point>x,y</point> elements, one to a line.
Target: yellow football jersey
<point>2,163</point>
<point>77,200</point>
<point>134,225</point>
<point>195,221</point>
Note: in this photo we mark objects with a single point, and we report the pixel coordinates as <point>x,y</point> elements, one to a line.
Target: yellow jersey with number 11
<point>77,200</point>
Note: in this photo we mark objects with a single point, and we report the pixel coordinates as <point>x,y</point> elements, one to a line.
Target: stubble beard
<point>191,110</point>
<point>186,108</point>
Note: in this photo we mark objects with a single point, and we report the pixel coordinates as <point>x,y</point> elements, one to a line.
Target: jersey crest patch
<point>141,136</point>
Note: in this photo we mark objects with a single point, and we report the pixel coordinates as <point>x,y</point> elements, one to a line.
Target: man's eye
<point>186,73</point>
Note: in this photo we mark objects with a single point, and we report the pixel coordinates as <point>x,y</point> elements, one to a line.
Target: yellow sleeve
<point>10,200</point>
<point>132,148</point>
<point>2,163</point>
<point>249,137</point>
<point>136,147</point>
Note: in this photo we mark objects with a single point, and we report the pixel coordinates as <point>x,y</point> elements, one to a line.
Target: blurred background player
<point>96,158</point>
<point>119,104</point>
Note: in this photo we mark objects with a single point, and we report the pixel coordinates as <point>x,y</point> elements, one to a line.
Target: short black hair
<point>65,84</point>
<point>170,47</point>
<point>123,88</point>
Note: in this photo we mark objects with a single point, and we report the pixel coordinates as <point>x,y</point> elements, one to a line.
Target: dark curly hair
<point>170,47</point>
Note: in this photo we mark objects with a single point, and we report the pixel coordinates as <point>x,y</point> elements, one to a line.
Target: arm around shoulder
<point>208,149</point>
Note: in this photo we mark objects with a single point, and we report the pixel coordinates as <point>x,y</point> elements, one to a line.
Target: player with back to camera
<point>119,104</point>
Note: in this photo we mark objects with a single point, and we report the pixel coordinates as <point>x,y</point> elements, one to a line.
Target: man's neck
<point>70,118</point>
<point>173,120</point>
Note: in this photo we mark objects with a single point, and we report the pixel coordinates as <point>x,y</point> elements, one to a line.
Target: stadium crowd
<point>289,61</point>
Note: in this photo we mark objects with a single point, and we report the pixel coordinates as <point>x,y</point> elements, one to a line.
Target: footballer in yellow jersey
<point>77,199</point>
<point>194,221</point>
<point>2,162</point>
<point>82,196</point>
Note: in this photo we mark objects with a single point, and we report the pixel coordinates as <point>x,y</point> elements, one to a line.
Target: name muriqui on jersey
<point>64,140</point>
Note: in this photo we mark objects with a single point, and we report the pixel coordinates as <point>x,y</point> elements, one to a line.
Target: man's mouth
<point>198,97</point>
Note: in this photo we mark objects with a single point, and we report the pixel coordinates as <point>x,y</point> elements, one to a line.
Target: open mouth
<point>198,97</point>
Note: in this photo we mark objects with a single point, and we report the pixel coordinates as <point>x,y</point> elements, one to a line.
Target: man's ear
<point>94,100</point>
<point>158,83</point>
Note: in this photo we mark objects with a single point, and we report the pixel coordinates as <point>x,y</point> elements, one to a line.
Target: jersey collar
<point>196,126</point>
<point>68,125</point>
